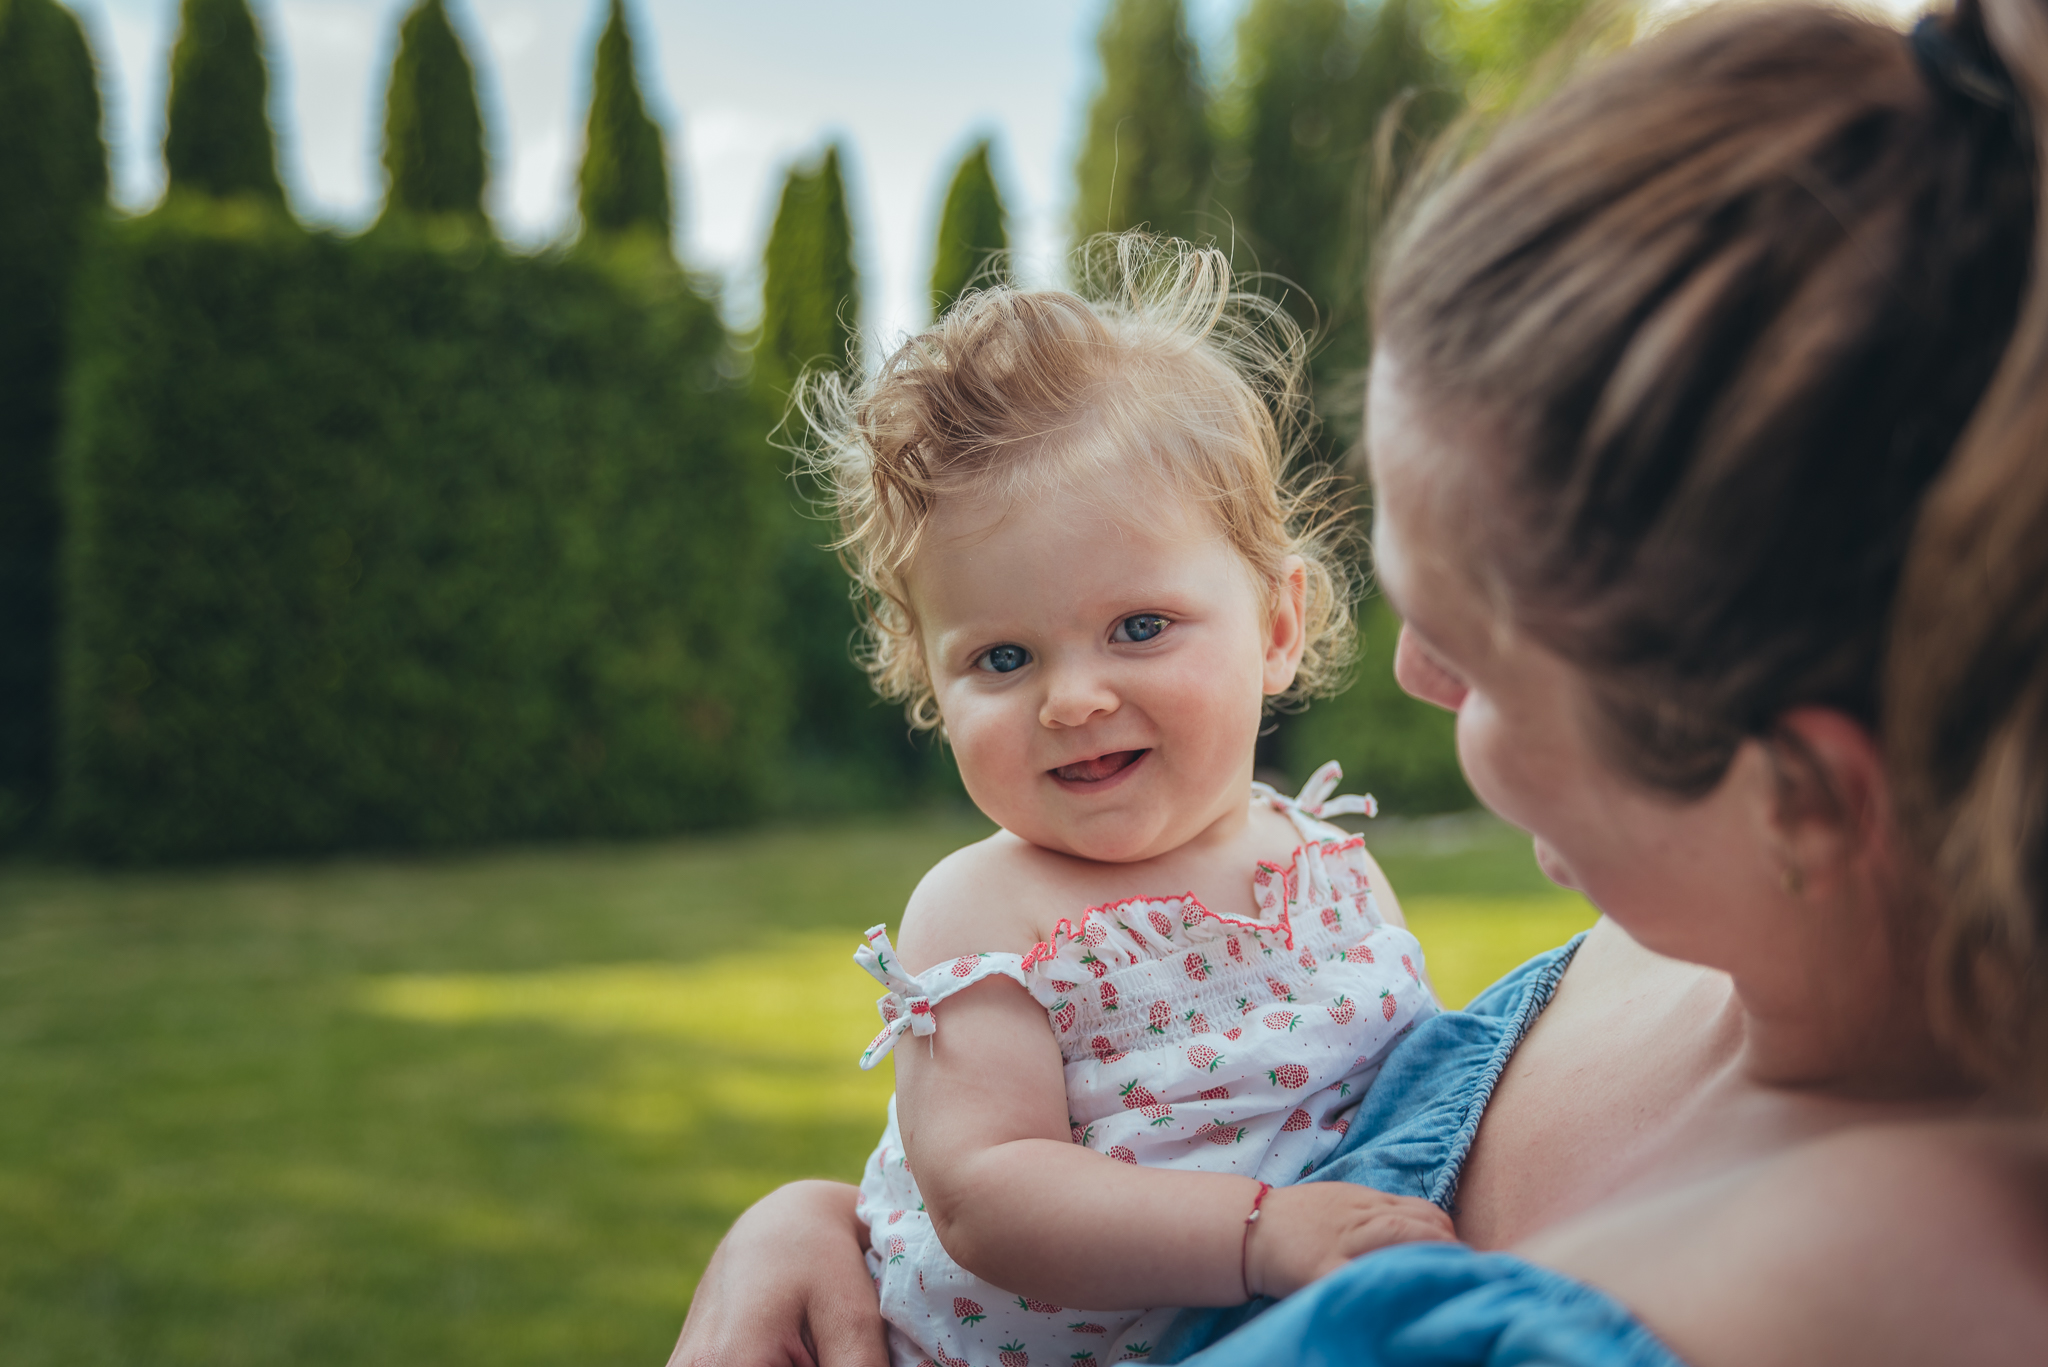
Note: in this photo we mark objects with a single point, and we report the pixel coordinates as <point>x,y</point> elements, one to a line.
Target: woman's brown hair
<point>1967,683</point>
<point>1728,304</point>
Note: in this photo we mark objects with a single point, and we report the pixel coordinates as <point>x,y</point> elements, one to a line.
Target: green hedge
<point>1401,751</point>
<point>374,542</point>
<point>53,178</point>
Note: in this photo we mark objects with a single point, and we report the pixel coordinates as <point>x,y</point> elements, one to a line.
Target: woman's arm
<point>787,1287</point>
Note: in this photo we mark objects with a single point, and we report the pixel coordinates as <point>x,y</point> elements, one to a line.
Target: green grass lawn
<point>493,1109</point>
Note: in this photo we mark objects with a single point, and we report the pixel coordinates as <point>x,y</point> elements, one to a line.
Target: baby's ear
<point>1287,626</point>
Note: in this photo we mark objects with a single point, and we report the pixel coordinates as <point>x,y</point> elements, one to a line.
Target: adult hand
<point>788,1286</point>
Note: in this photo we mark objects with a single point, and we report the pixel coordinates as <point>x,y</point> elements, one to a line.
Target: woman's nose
<point>1420,676</point>
<point>1074,696</point>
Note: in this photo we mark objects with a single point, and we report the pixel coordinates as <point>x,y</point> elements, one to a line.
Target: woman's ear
<point>1833,808</point>
<point>1287,628</point>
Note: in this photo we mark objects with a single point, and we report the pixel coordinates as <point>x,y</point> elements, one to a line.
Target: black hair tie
<point>1952,67</point>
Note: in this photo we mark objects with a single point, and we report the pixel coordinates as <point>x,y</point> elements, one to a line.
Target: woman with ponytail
<point>1664,380</point>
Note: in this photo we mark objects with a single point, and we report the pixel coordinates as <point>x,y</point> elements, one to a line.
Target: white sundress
<point>1192,1040</point>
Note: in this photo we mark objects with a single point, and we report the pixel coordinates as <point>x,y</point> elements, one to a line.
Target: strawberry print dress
<point>1192,1040</point>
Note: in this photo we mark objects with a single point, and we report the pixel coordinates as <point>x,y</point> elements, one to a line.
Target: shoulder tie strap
<point>907,1005</point>
<point>1316,804</point>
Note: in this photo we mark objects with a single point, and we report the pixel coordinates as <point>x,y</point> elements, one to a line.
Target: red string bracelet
<point>1244,1249</point>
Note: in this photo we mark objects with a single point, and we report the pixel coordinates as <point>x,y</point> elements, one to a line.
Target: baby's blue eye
<point>1143,627</point>
<point>1003,659</point>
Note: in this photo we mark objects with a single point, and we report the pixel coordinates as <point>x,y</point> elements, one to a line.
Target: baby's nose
<point>1074,697</point>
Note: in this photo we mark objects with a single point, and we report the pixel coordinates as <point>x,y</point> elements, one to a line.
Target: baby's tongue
<point>1097,769</point>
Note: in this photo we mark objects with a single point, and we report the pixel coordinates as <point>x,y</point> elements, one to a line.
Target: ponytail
<point>1967,679</point>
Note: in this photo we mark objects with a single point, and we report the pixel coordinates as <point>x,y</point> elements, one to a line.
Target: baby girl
<point>1163,986</point>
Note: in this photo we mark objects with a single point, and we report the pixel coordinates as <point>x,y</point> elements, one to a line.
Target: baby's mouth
<point>1101,767</point>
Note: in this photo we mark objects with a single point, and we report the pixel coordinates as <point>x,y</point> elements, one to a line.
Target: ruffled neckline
<point>1134,928</point>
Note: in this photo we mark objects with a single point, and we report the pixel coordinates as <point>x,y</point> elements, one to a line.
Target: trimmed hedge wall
<point>378,543</point>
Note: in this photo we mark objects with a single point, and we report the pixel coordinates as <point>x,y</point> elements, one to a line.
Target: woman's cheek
<point>1508,771</point>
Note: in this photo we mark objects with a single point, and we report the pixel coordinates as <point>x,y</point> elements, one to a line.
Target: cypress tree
<point>433,132</point>
<point>1147,157</point>
<point>623,185</point>
<point>845,750</point>
<point>1317,83</point>
<point>53,173</point>
<point>217,136</point>
<point>973,230</point>
<point>810,290</point>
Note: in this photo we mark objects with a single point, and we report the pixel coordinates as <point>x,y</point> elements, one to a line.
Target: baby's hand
<point>1307,1231</point>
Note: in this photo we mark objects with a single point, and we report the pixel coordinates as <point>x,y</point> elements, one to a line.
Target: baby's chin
<point>1100,841</point>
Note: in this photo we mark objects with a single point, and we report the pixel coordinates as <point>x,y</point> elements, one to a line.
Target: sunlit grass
<point>490,1109</point>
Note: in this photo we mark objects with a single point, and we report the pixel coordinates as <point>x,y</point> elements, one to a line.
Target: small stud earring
<point>1791,879</point>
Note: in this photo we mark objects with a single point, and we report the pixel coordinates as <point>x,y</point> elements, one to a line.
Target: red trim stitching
<point>1046,950</point>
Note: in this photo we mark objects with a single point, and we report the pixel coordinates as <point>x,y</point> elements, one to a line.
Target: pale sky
<point>741,88</point>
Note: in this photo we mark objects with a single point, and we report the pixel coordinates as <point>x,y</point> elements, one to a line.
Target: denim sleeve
<point>1443,1305</point>
<point>1416,1124</point>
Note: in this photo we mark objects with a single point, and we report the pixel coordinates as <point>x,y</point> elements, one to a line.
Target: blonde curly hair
<point>1158,358</point>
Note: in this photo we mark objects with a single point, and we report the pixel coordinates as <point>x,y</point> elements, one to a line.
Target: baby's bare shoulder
<point>982,897</point>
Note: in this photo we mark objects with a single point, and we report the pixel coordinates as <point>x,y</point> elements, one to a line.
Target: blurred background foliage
<point>408,539</point>
<point>316,544</point>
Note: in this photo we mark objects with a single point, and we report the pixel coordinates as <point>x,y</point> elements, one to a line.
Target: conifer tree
<point>53,173</point>
<point>623,186</point>
<point>810,290</point>
<point>433,132</point>
<point>217,137</point>
<point>973,230</point>
<point>1147,157</point>
<point>1317,84</point>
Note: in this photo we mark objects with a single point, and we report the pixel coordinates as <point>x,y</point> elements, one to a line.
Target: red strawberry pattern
<point>1156,1067</point>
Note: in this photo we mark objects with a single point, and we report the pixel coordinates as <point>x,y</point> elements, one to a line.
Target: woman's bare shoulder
<point>1900,1244</point>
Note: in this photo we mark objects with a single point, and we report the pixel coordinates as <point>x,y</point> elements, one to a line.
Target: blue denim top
<point>1443,1305</point>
